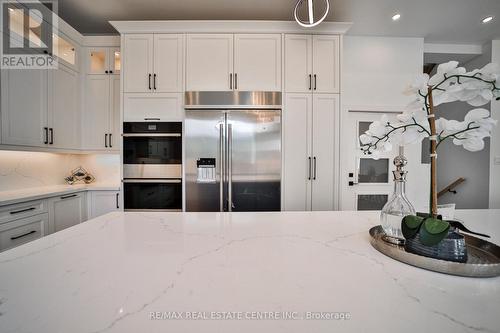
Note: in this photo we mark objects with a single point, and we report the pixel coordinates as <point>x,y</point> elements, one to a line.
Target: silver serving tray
<point>483,257</point>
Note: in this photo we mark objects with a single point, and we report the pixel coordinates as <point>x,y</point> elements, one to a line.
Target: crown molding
<point>130,27</point>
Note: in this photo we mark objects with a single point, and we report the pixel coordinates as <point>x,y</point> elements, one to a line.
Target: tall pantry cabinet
<point>311,108</point>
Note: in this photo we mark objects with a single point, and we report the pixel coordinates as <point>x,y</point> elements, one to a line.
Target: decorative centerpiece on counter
<point>398,206</point>
<point>428,234</point>
<point>79,175</point>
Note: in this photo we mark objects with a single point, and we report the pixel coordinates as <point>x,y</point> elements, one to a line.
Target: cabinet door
<point>209,62</point>
<point>114,60</point>
<point>168,62</point>
<point>153,107</point>
<point>326,55</point>
<point>103,202</point>
<point>257,62</point>
<point>97,60</point>
<point>114,112</point>
<point>24,106</point>
<point>325,111</point>
<point>22,231</point>
<point>96,115</point>
<point>64,108</point>
<point>298,63</point>
<point>66,211</point>
<point>138,57</point>
<point>297,152</point>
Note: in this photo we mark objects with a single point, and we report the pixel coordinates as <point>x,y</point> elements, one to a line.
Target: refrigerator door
<point>254,160</point>
<point>205,145</point>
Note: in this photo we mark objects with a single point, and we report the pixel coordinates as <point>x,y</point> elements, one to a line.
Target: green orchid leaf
<point>432,238</point>
<point>435,226</point>
<point>412,221</point>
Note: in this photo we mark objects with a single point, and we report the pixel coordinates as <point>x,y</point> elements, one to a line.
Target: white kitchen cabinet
<point>103,202</point>
<point>24,107</point>
<point>168,66</point>
<point>209,62</point>
<point>103,60</point>
<point>225,62</point>
<point>153,107</point>
<point>309,141</point>
<point>257,62</point>
<point>41,108</point>
<point>23,230</point>
<point>312,63</point>
<point>325,108</point>
<point>138,60</point>
<point>66,211</point>
<point>297,116</point>
<point>64,108</point>
<point>101,118</point>
<point>326,64</point>
<point>298,63</point>
<point>153,63</point>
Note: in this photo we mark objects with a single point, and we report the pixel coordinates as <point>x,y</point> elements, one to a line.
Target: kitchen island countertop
<point>235,272</point>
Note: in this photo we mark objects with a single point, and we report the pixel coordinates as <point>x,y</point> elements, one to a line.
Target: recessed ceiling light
<point>396,17</point>
<point>487,19</point>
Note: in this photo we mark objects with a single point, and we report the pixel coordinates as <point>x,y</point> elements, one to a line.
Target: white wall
<point>376,72</point>
<point>21,169</point>
<point>495,140</point>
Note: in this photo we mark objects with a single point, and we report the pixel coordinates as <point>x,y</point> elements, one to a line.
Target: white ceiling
<point>453,21</point>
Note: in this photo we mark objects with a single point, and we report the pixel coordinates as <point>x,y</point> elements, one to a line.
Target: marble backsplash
<point>21,170</point>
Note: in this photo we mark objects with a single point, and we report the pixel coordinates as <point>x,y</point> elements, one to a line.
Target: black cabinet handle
<point>310,81</point>
<point>151,118</point>
<point>235,81</point>
<point>22,211</point>
<point>68,196</point>
<point>46,135</point>
<point>23,235</point>
<point>51,130</point>
<point>110,141</point>
<point>309,176</point>
<point>106,140</point>
<point>117,201</point>
<point>106,72</point>
<point>314,168</point>
<point>110,72</point>
<point>230,81</point>
<point>315,81</point>
<point>149,79</point>
<point>154,81</point>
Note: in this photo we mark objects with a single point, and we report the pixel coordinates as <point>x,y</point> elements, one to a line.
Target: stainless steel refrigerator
<point>233,151</point>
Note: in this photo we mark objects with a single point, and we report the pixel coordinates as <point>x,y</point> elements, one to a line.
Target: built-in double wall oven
<point>152,166</point>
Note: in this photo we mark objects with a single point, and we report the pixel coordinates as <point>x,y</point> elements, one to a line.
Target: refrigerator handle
<point>221,166</point>
<point>230,167</point>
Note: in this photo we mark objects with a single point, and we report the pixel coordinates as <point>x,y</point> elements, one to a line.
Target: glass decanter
<point>397,206</point>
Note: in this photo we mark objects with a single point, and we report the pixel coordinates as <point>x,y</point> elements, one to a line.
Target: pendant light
<point>310,10</point>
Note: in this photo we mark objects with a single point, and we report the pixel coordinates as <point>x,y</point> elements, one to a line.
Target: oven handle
<point>146,135</point>
<point>161,181</point>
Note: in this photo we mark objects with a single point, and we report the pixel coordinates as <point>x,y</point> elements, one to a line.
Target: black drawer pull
<point>23,235</point>
<point>151,118</point>
<point>117,201</point>
<point>69,196</point>
<point>22,210</point>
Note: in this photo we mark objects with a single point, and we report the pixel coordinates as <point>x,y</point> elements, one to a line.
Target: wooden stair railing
<point>451,187</point>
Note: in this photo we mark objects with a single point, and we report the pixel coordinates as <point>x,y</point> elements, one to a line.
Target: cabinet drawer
<point>153,107</point>
<point>24,209</point>
<point>22,231</point>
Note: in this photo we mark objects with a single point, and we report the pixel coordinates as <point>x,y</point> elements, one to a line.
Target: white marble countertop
<point>109,274</point>
<point>16,196</point>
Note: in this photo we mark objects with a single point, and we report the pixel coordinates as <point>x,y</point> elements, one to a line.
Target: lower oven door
<point>152,194</point>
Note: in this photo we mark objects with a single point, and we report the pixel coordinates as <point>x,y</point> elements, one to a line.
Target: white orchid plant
<point>451,83</point>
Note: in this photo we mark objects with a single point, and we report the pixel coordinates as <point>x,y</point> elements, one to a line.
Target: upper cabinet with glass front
<point>65,50</point>
<point>103,60</point>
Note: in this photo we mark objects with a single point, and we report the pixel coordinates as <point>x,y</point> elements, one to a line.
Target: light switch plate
<point>497,160</point>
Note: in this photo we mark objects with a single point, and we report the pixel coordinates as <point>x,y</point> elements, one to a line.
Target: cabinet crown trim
<point>188,26</point>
